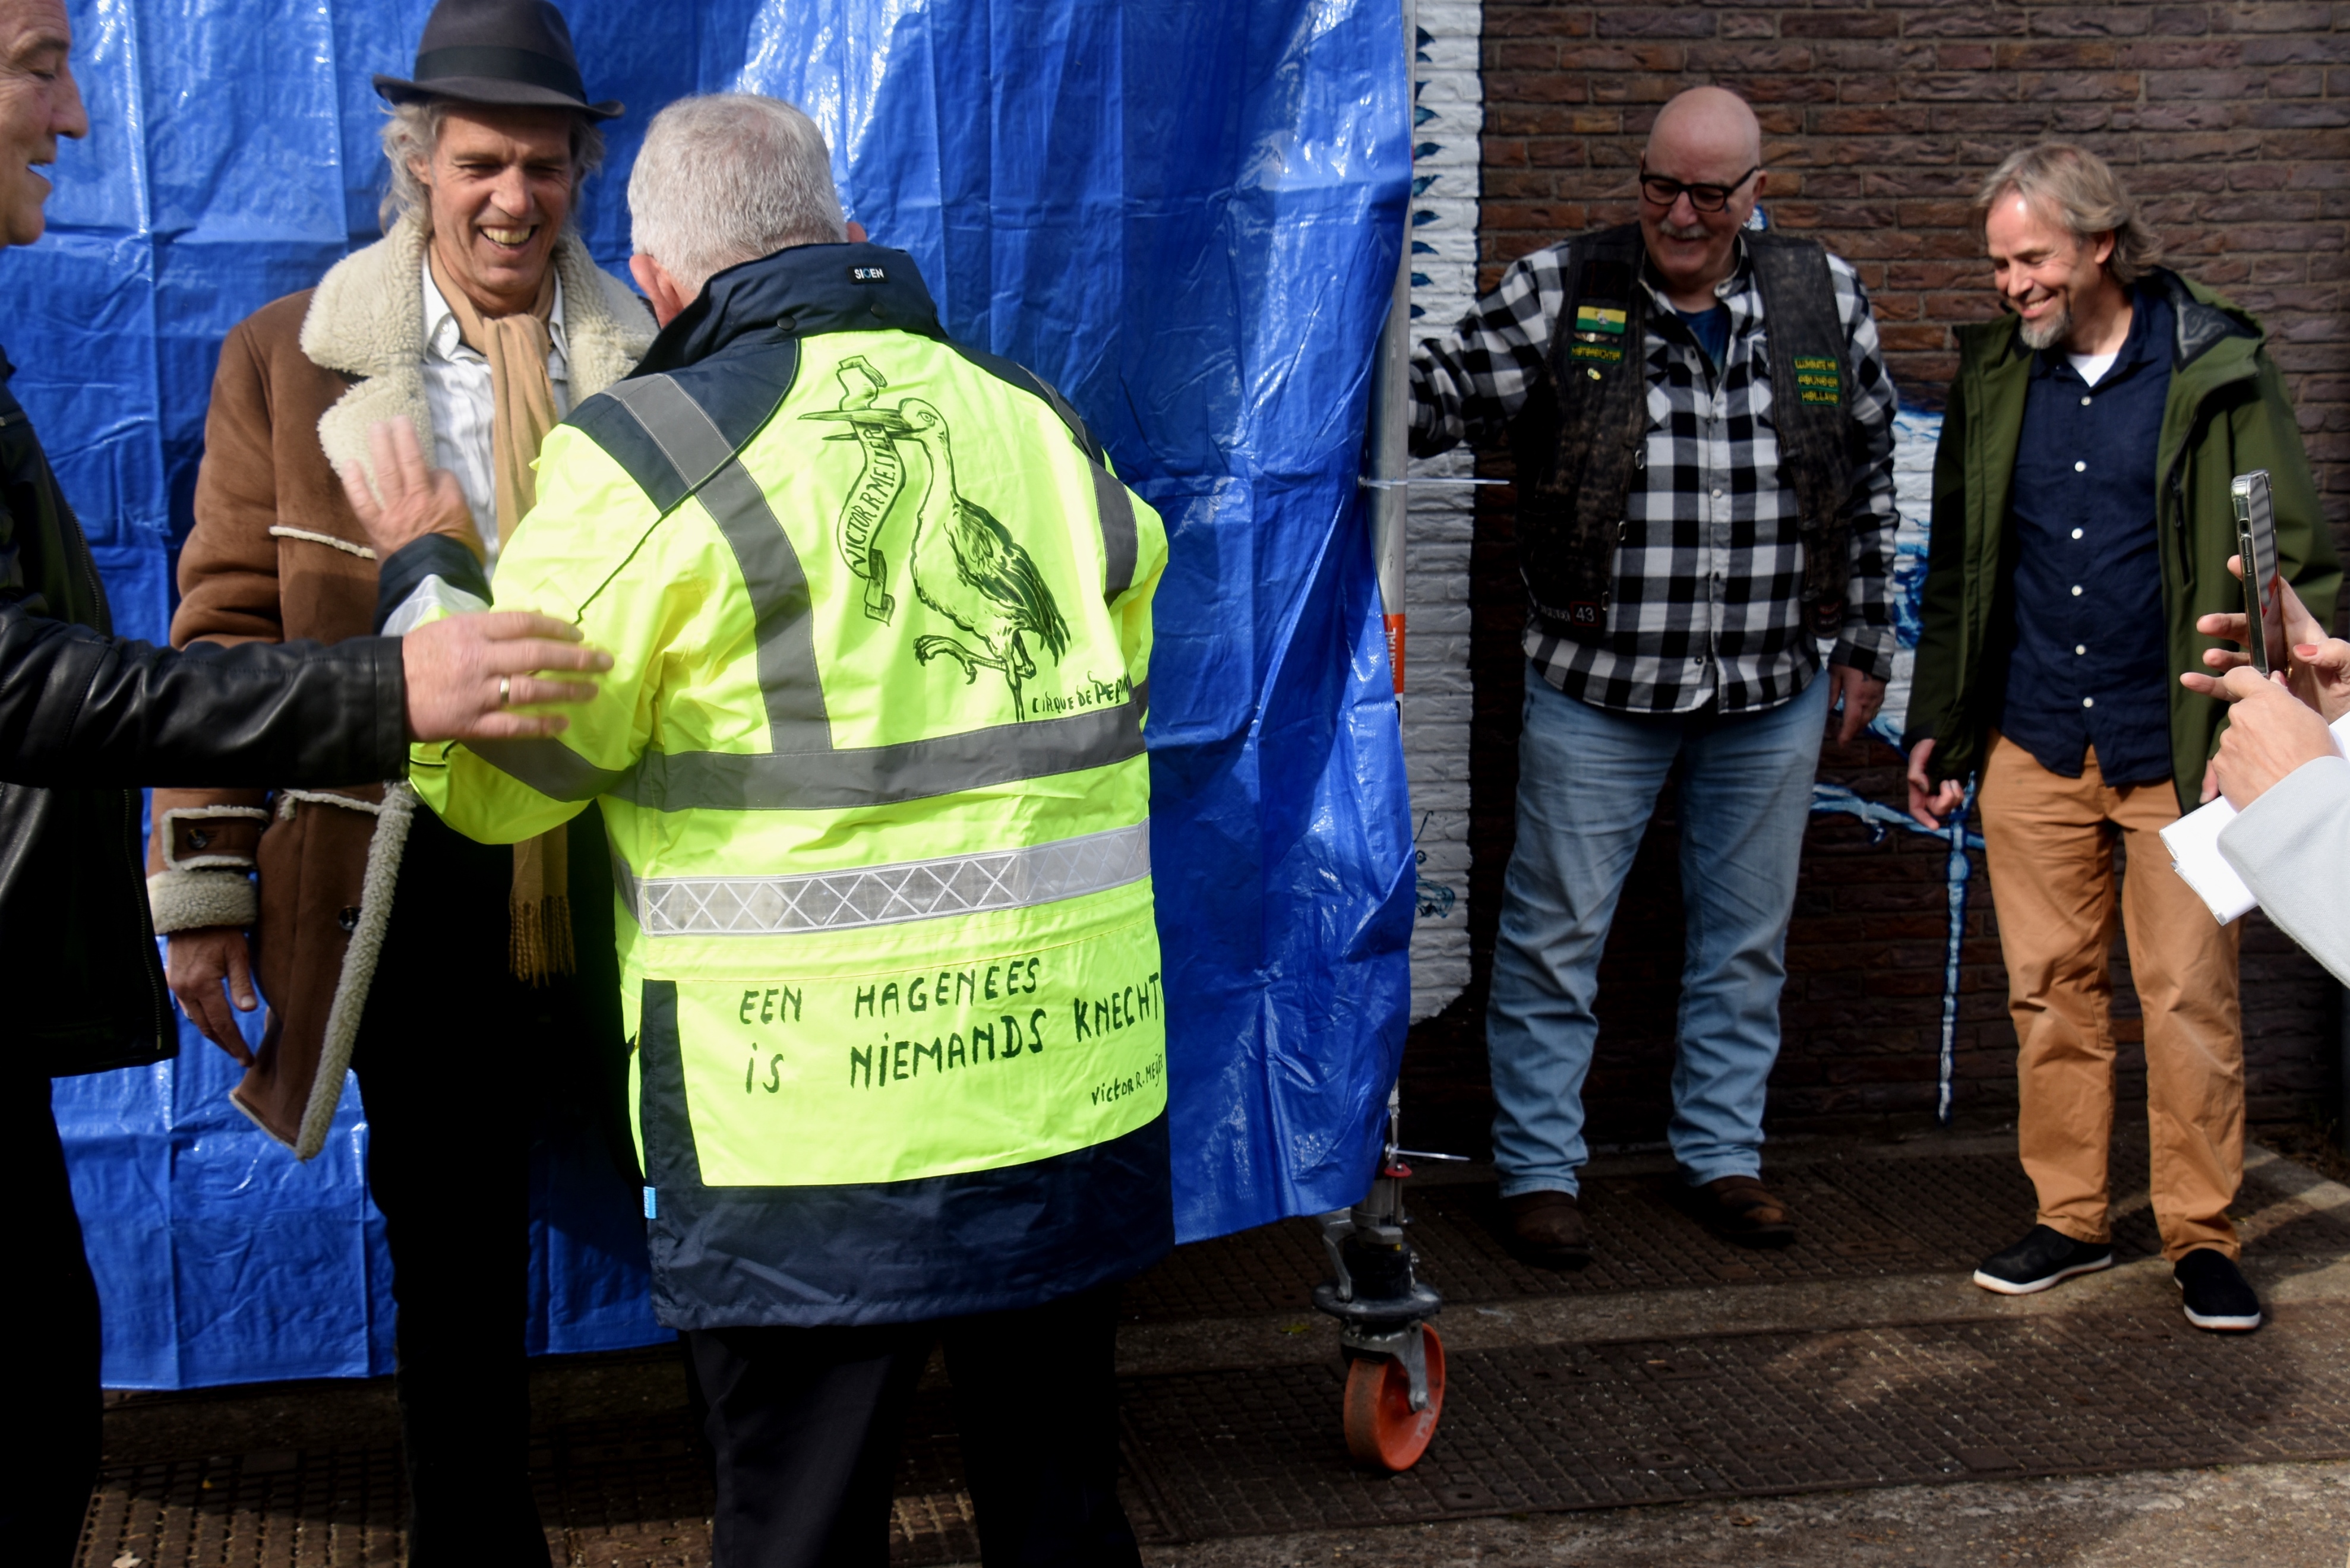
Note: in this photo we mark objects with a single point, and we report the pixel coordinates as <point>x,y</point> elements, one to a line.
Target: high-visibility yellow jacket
<point>870,759</point>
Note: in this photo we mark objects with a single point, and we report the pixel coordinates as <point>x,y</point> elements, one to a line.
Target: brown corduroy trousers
<point>2050,843</point>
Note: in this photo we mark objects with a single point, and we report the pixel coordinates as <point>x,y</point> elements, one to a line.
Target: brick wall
<point>1878,119</point>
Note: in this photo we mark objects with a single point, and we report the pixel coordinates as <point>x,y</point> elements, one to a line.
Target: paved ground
<point>1850,1401</point>
<point>2257,1516</point>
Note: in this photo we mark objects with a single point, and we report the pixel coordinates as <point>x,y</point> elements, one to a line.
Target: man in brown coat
<point>444,972</point>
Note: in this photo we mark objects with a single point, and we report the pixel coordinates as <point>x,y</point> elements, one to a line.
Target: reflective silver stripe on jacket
<point>1121,542</point>
<point>889,895</point>
<point>835,781</point>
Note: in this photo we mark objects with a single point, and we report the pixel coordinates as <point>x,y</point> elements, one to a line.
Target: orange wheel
<point>1382,1429</point>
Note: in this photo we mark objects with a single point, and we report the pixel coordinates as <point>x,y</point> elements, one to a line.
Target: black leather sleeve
<point>79,708</point>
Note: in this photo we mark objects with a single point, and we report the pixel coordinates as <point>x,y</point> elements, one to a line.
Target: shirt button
<point>2080,468</point>
<point>2088,701</point>
<point>2077,533</point>
<point>2084,402</point>
<point>2076,590</point>
<point>1717,495</point>
<point>2080,648</point>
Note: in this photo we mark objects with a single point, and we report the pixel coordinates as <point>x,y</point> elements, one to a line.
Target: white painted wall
<point>1450,115</point>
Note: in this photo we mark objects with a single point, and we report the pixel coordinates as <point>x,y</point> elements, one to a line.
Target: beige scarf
<point>538,906</point>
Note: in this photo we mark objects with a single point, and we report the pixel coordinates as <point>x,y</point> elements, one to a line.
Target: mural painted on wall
<point>1448,116</point>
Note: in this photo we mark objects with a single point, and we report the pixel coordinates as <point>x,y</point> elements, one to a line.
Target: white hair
<point>728,178</point>
<point>412,133</point>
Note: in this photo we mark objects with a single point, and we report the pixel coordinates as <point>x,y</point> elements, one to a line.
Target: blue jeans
<point>1587,784</point>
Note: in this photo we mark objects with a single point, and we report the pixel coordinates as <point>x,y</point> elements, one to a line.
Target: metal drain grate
<point>1536,1427</point>
<point>335,1505</point>
<point>630,1493</point>
<point>1525,1427</point>
<point>1563,1427</point>
<point>1640,1241</point>
<point>1855,1220</point>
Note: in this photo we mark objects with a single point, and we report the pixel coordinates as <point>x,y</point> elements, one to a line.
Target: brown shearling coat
<point>277,554</point>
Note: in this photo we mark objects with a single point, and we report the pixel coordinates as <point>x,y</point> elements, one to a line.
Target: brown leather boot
<point>1547,1230</point>
<point>1740,1210</point>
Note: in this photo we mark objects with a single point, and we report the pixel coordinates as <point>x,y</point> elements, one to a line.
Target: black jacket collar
<point>797,293</point>
<point>2197,326</point>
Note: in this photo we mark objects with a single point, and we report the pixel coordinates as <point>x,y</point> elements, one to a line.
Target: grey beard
<point>2055,329</point>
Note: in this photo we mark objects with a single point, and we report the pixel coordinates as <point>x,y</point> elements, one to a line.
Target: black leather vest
<point>1580,436</point>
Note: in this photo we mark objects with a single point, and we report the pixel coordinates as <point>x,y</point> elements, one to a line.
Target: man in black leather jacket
<point>84,717</point>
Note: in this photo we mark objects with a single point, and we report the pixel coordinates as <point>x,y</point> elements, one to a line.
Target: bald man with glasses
<point>1703,433</point>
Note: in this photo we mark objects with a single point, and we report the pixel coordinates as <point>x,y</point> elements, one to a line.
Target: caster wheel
<point>1382,1429</point>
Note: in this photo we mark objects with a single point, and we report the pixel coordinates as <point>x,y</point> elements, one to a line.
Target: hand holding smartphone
<point>2256,544</point>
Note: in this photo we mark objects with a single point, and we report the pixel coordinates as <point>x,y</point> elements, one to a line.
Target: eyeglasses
<point>1664,192</point>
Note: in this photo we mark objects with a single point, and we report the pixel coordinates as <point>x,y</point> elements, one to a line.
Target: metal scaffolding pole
<point>1390,407</point>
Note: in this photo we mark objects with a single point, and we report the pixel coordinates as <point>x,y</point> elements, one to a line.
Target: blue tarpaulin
<point>1186,214</point>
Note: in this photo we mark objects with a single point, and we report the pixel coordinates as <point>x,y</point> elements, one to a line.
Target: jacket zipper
<point>142,930</point>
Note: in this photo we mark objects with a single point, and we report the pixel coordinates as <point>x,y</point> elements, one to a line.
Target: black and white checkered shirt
<point>1707,599</point>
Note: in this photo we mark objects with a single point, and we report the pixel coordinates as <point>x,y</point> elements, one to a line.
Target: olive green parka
<point>2227,414</point>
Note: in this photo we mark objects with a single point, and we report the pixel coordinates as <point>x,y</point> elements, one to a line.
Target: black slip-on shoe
<point>2217,1296</point>
<point>2044,1258</point>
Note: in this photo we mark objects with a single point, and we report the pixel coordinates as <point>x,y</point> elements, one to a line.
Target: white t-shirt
<point>2093,367</point>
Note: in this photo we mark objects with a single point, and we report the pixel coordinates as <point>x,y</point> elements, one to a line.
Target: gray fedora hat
<point>516,52</point>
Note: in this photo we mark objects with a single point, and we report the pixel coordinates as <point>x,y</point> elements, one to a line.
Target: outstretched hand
<point>468,674</point>
<point>2319,665</point>
<point>416,498</point>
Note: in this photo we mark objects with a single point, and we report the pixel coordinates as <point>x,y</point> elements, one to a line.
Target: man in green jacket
<point>2081,527</point>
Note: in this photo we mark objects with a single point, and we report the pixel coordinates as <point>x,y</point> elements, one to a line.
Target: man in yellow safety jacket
<point>870,759</point>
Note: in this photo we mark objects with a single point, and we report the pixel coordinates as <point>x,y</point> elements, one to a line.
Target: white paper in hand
<point>2194,844</point>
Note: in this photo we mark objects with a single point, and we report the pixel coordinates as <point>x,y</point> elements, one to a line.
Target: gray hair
<point>414,131</point>
<point>727,177</point>
<point>2082,191</point>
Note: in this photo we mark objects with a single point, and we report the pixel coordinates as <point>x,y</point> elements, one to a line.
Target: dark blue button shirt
<point>2091,662</point>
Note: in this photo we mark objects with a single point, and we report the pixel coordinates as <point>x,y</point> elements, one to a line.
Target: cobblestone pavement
<point>1850,1400</point>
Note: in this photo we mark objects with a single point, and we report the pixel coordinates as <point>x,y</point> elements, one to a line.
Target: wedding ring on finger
<point>505,691</point>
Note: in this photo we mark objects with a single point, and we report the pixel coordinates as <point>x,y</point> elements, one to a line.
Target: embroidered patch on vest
<point>1600,317</point>
<point>1818,380</point>
<point>1583,612</point>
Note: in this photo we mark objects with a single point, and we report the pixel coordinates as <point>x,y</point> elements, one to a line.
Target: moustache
<point>1675,232</point>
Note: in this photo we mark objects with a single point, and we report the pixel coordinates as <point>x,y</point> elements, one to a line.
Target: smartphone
<point>2256,543</point>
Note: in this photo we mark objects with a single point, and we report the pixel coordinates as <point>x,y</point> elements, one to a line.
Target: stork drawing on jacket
<point>966,565</point>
